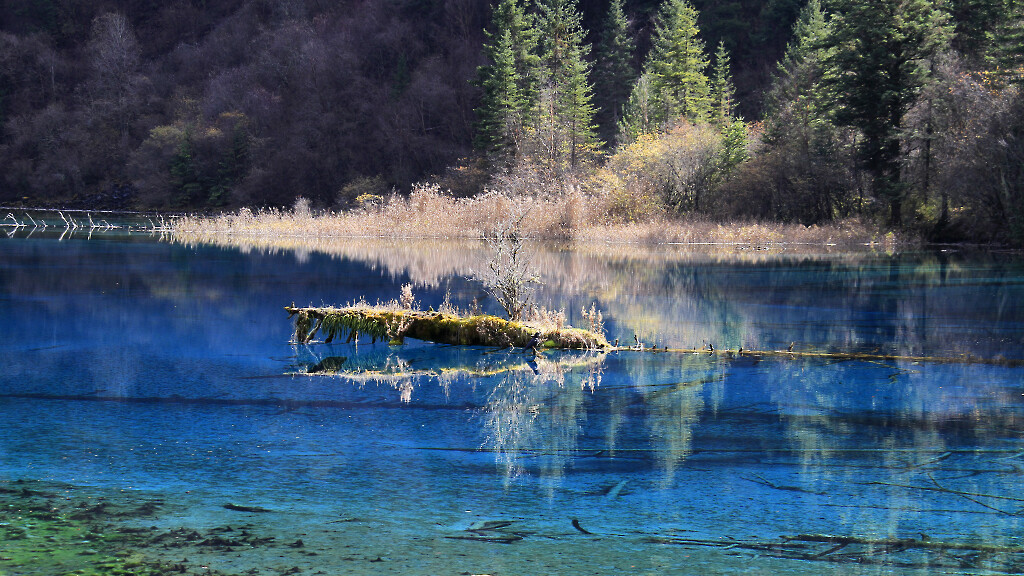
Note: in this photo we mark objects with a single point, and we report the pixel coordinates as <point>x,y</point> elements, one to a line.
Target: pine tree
<point>723,93</point>
<point>677,63</point>
<point>734,144</point>
<point>614,74</point>
<point>804,149</point>
<point>877,67</point>
<point>675,71</point>
<point>509,82</point>
<point>233,163</point>
<point>1006,54</point>
<point>794,107</point>
<point>500,113</point>
<point>637,116</point>
<point>184,172</point>
<point>974,24</point>
<point>566,126</point>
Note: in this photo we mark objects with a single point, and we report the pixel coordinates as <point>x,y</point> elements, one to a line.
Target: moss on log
<point>393,325</point>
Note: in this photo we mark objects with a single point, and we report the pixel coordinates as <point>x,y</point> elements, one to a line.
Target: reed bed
<point>572,216</point>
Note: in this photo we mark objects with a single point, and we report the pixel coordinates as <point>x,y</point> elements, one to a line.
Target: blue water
<point>137,368</point>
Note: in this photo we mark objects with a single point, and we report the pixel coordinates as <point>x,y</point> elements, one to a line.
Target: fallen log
<point>393,325</point>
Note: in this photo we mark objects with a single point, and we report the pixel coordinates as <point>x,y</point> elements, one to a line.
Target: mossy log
<point>393,325</point>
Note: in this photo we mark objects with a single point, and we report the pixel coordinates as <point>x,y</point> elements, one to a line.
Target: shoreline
<point>284,229</point>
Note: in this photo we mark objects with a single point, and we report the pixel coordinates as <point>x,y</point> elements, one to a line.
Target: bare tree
<point>114,55</point>
<point>510,276</point>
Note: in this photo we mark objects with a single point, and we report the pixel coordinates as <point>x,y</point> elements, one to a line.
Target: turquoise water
<point>158,379</point>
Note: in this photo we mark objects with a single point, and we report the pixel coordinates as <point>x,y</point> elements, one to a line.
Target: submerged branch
<point>939,488</point>
<point>878,551</point>
<point>757,354</point>
<point>906,543</point>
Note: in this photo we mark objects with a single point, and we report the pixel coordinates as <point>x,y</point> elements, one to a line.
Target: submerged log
<point>833,355</point>
<point>395,324</point>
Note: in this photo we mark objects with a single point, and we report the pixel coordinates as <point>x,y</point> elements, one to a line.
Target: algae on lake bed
<point>46,530</point>
<point>55,530</point>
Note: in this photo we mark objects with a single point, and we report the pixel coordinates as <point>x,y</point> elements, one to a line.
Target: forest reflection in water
<point>140,369</point>
<point>878,448</point>
<point>750,296</point>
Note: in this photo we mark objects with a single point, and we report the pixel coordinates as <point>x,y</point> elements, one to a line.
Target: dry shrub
<point>358,190</point>
<point>594,318</point>
<point>468,177</point>
<point>545,319</point>
<point>620,204</point>
<point>510,276</point>
<point>789,183</point>
<point>406,300</point>
<point>679,168</point>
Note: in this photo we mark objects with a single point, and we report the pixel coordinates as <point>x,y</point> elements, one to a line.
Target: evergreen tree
<point>675,70</point>
<point>974,22</point>
<point>723,93</point>
<point>804,154</point>
<point>233,164</point>
<point>1006,54</point>
<point>794,106</point>
<point>500,114</point>
<point>614,73</point>
<point>509,82</point>
<point>877,67</point>
<point>677,63</point>
<point>723,107</point>
<point>565,115</point>
<point>734,144</point>
<point>637,116</point>
<point>184,172</point>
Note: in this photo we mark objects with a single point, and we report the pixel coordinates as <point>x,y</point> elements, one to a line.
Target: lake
<point>155,418</point>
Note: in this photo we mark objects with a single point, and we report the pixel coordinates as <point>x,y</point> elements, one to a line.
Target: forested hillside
<point>200,103</point>
<point>906,111</point>
<point>208,102</point>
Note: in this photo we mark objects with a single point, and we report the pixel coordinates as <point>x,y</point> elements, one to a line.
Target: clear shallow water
<point>141,372</point>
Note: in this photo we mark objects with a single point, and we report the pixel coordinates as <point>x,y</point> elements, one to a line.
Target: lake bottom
<point>688,466</point>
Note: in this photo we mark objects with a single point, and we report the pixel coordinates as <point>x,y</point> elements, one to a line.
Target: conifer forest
<point>908,113</point>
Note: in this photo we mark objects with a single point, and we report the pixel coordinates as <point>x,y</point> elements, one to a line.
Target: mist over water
<point>140,371</point>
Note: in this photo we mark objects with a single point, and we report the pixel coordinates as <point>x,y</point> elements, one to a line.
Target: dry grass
<point>570,216</point>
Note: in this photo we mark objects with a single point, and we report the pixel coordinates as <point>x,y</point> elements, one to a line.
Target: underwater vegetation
<point>55,529</point>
